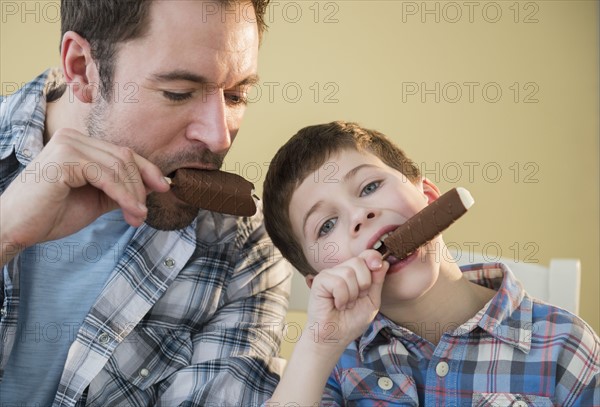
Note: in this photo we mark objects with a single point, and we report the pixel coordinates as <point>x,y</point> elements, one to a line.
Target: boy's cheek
<point>322,255</point>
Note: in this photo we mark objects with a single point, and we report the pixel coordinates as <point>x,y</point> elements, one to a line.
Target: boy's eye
<point>370,188</point>
<point>177,97</point>
<point>327,227</point>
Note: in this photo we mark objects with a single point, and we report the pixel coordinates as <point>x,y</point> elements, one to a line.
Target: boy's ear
<point>79,68</point>
<point>309,280</point>
<point>431,191</point>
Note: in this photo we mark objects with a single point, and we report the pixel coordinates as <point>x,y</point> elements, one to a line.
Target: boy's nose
<point>362,219</point>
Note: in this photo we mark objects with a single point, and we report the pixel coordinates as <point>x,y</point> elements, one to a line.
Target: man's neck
<point>65,112</point>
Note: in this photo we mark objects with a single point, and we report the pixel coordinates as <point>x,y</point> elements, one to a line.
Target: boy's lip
<point>381,232</point>
<point>397,266</point>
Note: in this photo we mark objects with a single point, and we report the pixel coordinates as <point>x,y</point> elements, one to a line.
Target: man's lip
<point>192,167</point>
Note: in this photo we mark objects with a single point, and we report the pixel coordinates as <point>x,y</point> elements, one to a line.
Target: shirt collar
<point>507,316</point>
<point>27,112</point>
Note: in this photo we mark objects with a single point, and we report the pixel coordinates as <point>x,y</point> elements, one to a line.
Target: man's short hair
<point>106,23</point>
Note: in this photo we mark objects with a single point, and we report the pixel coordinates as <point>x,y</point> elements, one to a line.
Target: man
<point>115,292</point>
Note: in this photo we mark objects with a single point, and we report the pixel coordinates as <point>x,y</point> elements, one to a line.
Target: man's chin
<point>165,213</point>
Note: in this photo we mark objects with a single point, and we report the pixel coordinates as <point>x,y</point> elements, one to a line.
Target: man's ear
<point>431,191</point>
<point>79,68</point>
<point>309,280</point>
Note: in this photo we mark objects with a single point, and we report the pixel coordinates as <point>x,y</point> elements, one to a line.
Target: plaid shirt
<point>191,317</point>
<point>517,351</point>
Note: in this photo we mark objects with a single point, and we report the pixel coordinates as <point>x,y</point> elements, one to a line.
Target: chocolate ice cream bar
<point>214,190</point>
<point>428,223</point>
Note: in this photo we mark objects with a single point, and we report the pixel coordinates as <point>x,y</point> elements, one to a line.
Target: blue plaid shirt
<point>517,351</point>
<point>191,317</point>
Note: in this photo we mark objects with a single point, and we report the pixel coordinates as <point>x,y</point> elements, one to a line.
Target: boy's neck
<point>451,302</point>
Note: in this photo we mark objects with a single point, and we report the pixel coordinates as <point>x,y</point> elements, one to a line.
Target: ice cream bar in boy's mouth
<point>428,223</point>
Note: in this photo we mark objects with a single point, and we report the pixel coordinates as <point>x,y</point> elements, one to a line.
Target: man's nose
<point>209,124</point>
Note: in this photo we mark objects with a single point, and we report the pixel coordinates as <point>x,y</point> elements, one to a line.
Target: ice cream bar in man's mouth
<point>214,190</point>
<point>428,223</point>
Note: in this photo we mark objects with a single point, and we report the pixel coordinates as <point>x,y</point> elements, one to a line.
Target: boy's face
<point>348,204</point>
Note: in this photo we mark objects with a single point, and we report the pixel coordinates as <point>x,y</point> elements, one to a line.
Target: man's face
<point>179,93</point>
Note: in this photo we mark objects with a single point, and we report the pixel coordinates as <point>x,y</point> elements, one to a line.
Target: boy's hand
<point>345,299</point>
<point>74,180</point>
<point>343,302</point>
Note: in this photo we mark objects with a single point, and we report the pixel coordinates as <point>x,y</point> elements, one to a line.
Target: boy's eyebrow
<point>183,75</point>
<point>312,209</point>
<point>349,175</point>
<point>352,173</point>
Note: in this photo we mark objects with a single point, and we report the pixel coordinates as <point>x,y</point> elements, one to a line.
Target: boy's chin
<point>410,278</point>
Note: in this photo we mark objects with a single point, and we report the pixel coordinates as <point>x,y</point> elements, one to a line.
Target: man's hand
<point>73,181</point>
<point>345,299</point>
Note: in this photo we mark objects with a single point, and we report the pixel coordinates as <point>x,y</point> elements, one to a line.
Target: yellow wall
<point>528,155</point>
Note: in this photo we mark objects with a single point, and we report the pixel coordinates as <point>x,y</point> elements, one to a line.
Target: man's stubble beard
<point>163,215</point>
<point>164,211</point>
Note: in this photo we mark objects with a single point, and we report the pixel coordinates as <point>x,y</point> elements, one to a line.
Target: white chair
<point>557,284</point>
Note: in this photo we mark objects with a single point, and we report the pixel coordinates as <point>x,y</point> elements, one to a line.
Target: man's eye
<point>235,99</point>
<point>370,188</point>
<point>327,227</point>
<point>177,97</point>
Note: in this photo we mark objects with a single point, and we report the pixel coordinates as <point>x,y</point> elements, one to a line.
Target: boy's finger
<point>370,261</point>
<point>373,259</point>
<point>332,287</point>
<point>340,296</point>
<point>361,275</point>
<point>348,275</point>
<point>378,279</point>
<point>378,276</point>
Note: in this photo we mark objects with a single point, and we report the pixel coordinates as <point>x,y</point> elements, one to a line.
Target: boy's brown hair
<point>306,152</point>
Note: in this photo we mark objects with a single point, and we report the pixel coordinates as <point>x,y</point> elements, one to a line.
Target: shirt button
<point>385,383</point>
<point>169,262</point>
<point>442,369</point>
<point>144,373</point>
<point>519,403</point>
<point>103,339</point>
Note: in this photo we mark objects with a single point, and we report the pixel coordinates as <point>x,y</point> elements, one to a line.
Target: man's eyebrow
<point>182,75</point>
<point>249,81</point>
<point>179,75</point>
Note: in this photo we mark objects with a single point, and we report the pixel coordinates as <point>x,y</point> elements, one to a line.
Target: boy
<point>418,331</point>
